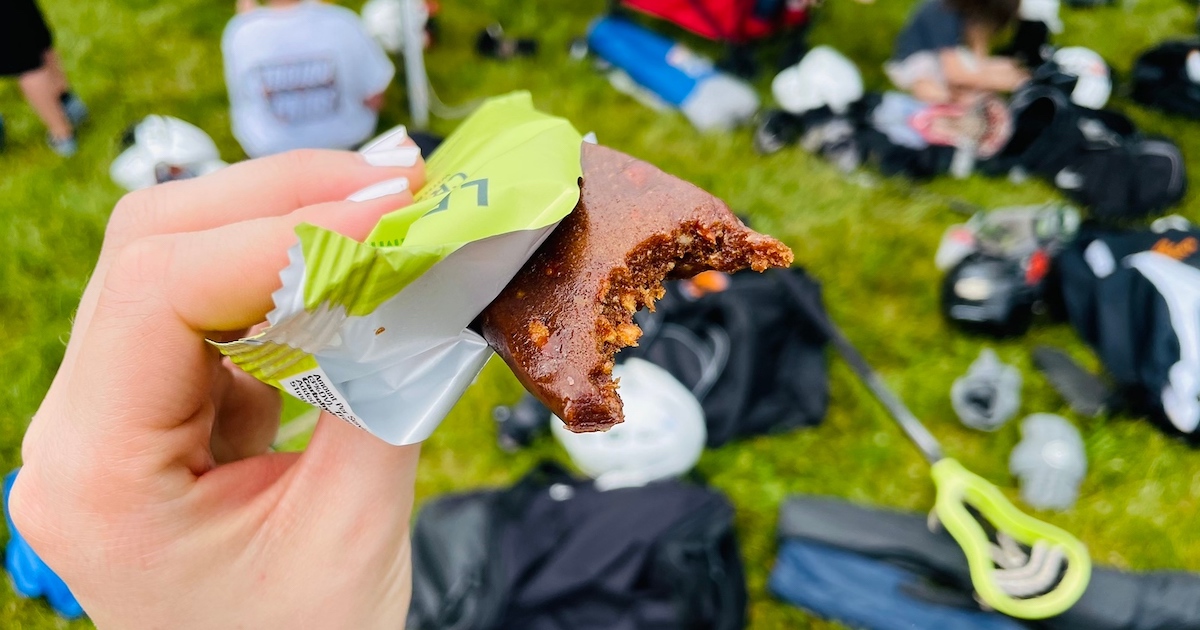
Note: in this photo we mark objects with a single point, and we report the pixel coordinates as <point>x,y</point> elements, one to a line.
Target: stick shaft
<point>909,423</point>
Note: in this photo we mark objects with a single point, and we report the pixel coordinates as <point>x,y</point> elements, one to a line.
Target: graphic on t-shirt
<point>301,90</point>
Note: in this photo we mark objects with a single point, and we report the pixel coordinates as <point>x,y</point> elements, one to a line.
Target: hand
<point>147,482</point>
<point>967,72</point>
<point>1008,74</point>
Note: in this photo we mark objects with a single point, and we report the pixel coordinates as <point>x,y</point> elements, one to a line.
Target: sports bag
<point>1097,158</point>
<point>672,74</point>
<point>863,592</point>
<point>733,21</point>
<point>1160,79</point>
<point>936,572</point>
<point>1134,296</point>
<point>555,553</point>
<point>747,352</point>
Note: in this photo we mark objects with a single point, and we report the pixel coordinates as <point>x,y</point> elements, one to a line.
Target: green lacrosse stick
<point>1051,579</point>
<point>1031,570</point>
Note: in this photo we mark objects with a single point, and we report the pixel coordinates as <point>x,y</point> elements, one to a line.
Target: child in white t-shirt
<point>302,74</point>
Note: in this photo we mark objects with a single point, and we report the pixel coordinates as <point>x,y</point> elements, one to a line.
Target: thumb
<point>357,469</point>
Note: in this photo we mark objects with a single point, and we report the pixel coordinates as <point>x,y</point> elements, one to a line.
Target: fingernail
<point>404,156</point>
<point>381,189</point>
<point>389,139</point>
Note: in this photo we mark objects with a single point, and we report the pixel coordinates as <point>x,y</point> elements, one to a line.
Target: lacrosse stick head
<point>1020,566</point>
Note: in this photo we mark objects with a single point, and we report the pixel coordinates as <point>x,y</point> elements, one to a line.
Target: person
<point>302,74</point>
<point>27,52</point>
<point>943,53</point>
<point>148,484</point>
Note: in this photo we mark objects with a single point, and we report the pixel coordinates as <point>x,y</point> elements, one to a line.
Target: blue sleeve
<point>933,27</point>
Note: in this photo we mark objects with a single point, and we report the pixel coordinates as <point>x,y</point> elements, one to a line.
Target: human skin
<point>971,71</point>
<point>979,71</point>
<point>148,484</point>
<point>42,88</point>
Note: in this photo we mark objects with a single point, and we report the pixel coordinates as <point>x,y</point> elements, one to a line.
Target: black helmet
<point>994,295</point>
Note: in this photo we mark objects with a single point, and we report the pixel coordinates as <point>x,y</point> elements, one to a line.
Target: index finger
<point>144,370</point>
<point>266,187</point>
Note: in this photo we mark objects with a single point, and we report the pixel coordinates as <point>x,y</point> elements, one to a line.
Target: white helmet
<point>160,146</point>
<point>823,77</point>
<point>1044,11</point>
<point>384,21</point>
<point>1094,85</point>
<point>662,436</point>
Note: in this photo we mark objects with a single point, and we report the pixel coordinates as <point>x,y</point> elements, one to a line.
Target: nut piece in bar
<point>563,317</point>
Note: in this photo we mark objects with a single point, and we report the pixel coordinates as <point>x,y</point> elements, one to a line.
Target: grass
<point>873,248</point>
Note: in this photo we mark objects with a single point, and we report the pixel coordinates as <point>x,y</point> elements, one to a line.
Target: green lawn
<point>872,247</point>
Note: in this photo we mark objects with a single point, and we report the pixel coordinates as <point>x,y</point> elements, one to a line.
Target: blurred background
<point>871,243</point>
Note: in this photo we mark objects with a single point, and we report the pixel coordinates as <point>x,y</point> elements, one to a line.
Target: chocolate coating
<point>562,318</point>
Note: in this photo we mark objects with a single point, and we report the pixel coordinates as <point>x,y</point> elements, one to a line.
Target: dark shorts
<point>24,37</point>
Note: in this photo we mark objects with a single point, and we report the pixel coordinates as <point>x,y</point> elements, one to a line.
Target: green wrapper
<point>375,332</point>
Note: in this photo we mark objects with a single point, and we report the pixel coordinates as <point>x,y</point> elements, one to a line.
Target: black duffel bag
<point>555,553</point>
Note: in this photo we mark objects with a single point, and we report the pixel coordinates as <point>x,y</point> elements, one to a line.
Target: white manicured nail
<point>404,156</point>
<point>381,189</point>
<point>389,139</point>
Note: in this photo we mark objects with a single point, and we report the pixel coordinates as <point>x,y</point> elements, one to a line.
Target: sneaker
<point>74,108</point>
<point>66,147</point>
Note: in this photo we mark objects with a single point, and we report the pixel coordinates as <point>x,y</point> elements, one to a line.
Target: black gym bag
<point>748,353</point>
<point>1160,79</point>
<point>1141,315</point>
<point>1097,158</point>
<point>554,553</point>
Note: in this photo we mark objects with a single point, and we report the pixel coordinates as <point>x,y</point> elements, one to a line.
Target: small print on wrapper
<point>376,333</point>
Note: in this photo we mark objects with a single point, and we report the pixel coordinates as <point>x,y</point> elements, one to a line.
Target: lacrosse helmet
<point>824,77</point>
<point>163,148</point>
<point>662,436</point>
<point>1093,83</point>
